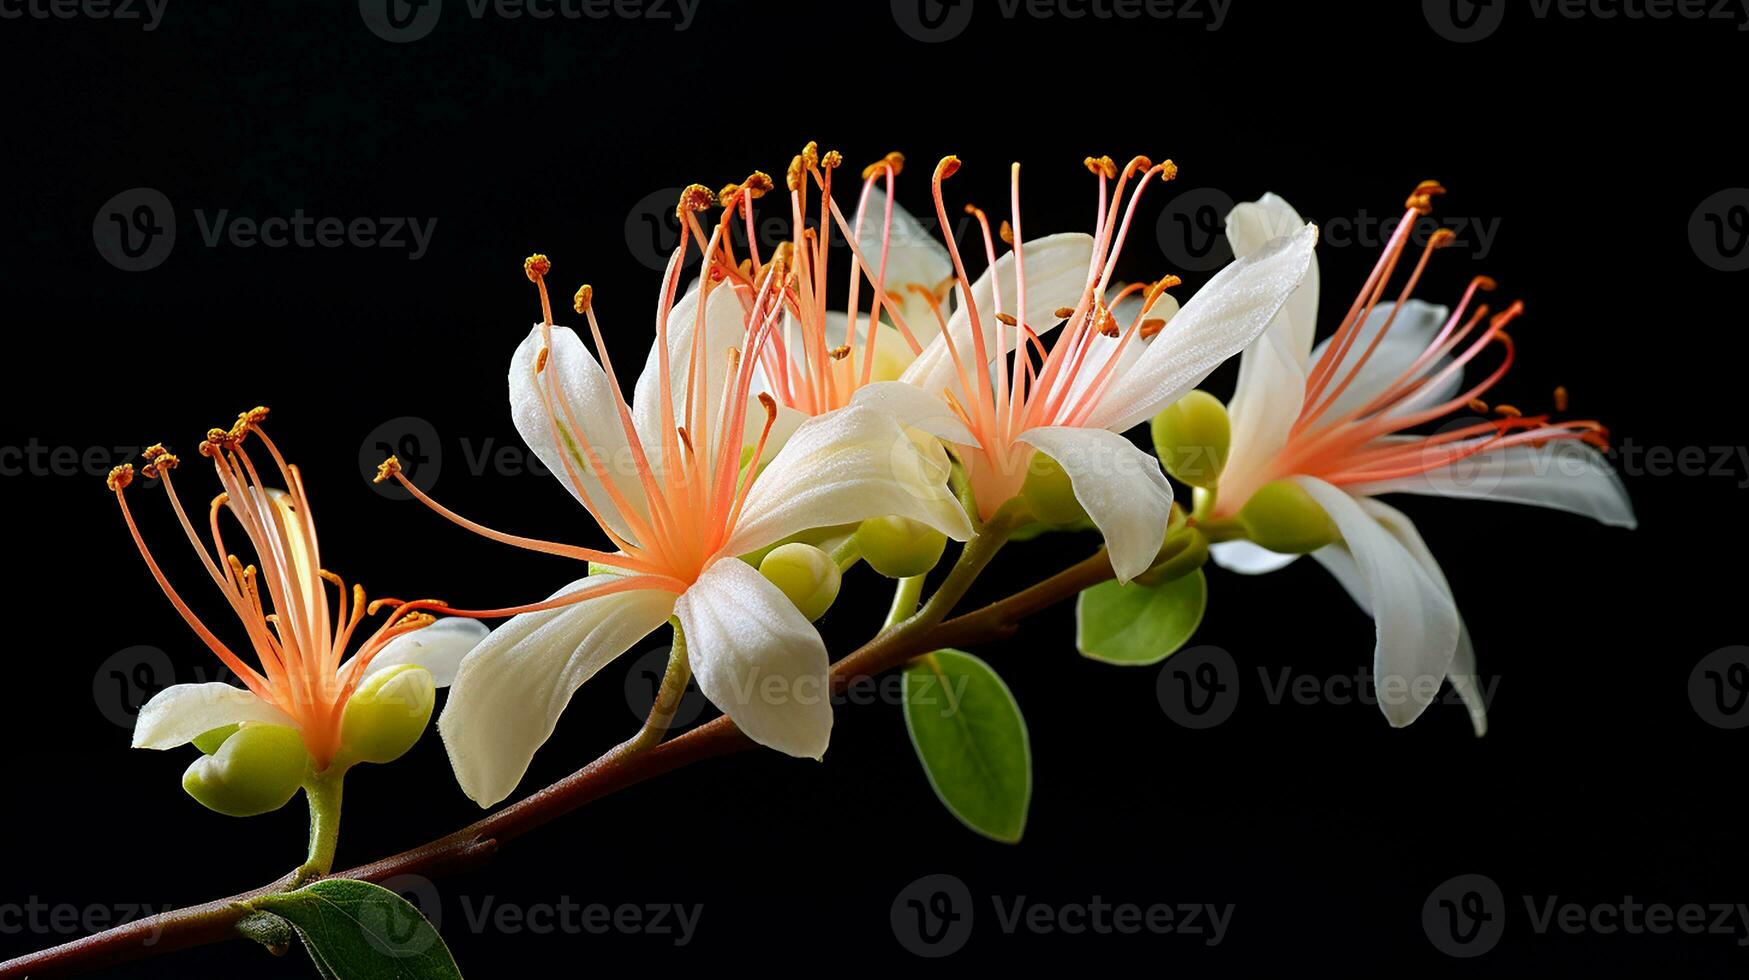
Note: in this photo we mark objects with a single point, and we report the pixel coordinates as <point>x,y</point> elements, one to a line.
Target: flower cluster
<point>793,420</point>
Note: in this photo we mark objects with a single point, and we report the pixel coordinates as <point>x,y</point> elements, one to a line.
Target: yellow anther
<point>1064,312</point>
<point>1486,284</point>
<point>540,359</point>
<point>386,470</point>
<point>1421,199</point>
<point>1169,282</point>
<point>811,155</point>
<point>1008,320</point>
<point>536,266</point>
<point>159,464</point>
<point>1107,323</point>
<point>758,184</point>
<point>696,197</point>
<point>154,451</point>
<point>1442,238</point>
<point>1006,232</point>
<point>1509,411</point>
<point>1140,162</point>
<point>839,353</point>
<point>120,477</point>
<point>1561,398</point>
<point>254,416</point>
<point>1102,166</point>
<point>1479,406</point>
<point>1152,326</point>
<point>833,159</point>
<point>770,405</point>
<point>948,166</point>
<point>585,296</point>
<point>1168,170</point>
<point>895,160</point>
<point>792,177</point>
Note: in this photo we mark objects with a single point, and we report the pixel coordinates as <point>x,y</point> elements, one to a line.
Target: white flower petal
<point>1224,316</point>
<point>1056,275</point>
<point>914,257</point>
<point>1416,324</point>
<point>181,713</point>
<point>593,405</point>
<point>916,408</point>
<point>1121,488</point>
<point>1562,475</point>
<point>438,648</point>
<point>1247,558</point>
<point>1272,372</point>
<point>724,327</point>
<point>758,659</point>
<point>1463,675</point>
<point>1417,622</point>
<point>845,466</point>
<point>511,689</point>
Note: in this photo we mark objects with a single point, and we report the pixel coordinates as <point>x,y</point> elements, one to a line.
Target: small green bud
<point>804,573</point>
<point>258,769</point>
<point>1283,517</point>
<point>899,547</point>
<point>387,714</point>
<point>1191,437</point>
<point>1048,492</point>
<point>209,742</point>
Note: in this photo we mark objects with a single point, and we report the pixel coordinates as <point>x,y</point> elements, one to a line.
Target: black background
<point>1326,828</point>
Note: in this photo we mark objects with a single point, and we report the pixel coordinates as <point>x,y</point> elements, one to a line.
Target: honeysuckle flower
<point>301,678</point>
<point>1100,377</point>
<point>897,272</point>
<point>664,478</point>
<point>1336,420</point>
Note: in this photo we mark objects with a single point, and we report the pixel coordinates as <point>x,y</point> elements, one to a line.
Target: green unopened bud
<point>804,573</point>
<point>258,769</point>
<point>1282,516</point>
<point>1048,492</point>
<point>1191,437</point>
<point>209,742</point>
<point>387,714</point>
<point>899,547</point>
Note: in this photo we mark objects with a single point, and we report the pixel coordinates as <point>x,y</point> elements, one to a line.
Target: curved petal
<point>1247,558</point>
<point>1562,475</point>
<point>1121,488</point>
<point>725,326</point>
<point>914,257</point>
<point>438,648</point>
<point>1056,275</point>
<point>1416,620</point>
<point>1463,676</point>
<point>758,659</point>
<point>916,408</point>
<point>1272,372</point>
<point>1416,324</point>
<point>1224,316</point>
<point>181,713</point>
<point>510,690</point>
<point>841,467</point>
<point>593,404</point>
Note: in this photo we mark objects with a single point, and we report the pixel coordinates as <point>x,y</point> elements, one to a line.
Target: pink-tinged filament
<point>1368,443</point>
<point>299,636</point>
<point>1060,385</point>
<point>690,491</point>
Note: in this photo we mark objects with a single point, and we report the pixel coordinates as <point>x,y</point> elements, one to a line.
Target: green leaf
<point>1135,625</point>
<point>972,741</point>
<point>359,931</point>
